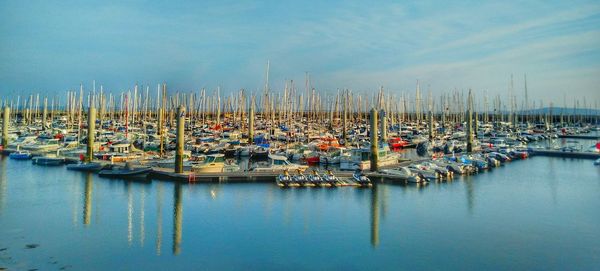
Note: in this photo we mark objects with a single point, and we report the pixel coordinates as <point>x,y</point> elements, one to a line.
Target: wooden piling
<point>374,141</point>
<point>91,134</point>
<point>469,123</point>
<point>5,123</point>
<point>180,139</point>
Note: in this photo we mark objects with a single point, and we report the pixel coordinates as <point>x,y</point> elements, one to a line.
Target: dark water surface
<point>542,213</point>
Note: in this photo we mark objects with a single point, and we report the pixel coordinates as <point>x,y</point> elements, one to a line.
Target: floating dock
<point>566,154</point>
<point>592,137</point>
<point>229,177</point>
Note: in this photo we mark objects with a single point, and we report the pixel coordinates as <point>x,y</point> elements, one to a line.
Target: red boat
<point>314,159</point>
<point>397,142</point>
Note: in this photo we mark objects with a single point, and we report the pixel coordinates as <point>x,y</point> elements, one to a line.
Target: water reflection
<point>87,199</point>
<point>470,192</point>
<point>159,199</point>
<point>129,214</point>
<point>3,182</point>
<point>177,218</point>
<point>375,215</point>
<point>142,215</point>
<point>553,183</point>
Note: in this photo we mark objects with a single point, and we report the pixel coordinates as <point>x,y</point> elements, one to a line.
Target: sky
<point>53,46</point>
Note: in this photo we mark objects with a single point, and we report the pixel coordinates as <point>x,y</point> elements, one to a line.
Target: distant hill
<point>565,111</point>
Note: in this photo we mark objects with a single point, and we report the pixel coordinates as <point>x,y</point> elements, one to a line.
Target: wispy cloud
<point>341,43</point>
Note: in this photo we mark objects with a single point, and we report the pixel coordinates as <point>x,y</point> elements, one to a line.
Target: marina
<point>299,135</point>
<point>300,173</point>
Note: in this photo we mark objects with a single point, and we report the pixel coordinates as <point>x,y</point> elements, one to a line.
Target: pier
<point>591,137</point>
<point>566,154</point>
<point>227,177</point>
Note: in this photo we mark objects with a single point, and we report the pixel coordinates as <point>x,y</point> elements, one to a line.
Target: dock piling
<point>160,129</point>
<point>384,126</point>
<point>470,123</point>
<point>251,123</point>
<point>374,141</point>
<point>430,125</point>
<point>5,122</point>
<point>180,139</point>
<point>91,134</point>
<point>45,113</point>
<point>345,118</point>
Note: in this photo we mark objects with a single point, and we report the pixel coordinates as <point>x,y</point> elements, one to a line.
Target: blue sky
<point>52,46</point>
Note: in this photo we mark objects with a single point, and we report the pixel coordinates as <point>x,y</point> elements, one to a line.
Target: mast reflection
<point>142,216</point>
<point>129,215</point>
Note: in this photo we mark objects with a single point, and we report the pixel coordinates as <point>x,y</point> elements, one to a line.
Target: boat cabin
<point>120,148</point>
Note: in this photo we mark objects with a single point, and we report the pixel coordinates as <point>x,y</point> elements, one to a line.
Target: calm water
<point>542,213</point>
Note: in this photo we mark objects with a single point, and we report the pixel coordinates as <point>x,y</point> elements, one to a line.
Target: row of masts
<point>140,104</point>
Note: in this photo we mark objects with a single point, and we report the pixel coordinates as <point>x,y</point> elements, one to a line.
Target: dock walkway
<point>567,154</point>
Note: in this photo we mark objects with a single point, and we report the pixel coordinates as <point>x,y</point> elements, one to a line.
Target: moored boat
<point>285,180</point>
<point>48,161</point>
<point>328,177</point>
<point>361,179</point>
<point>88,167</point>
<point>403,173</point>
<point>215,163</point>
<point>126,172</point>
<point>20,155</point>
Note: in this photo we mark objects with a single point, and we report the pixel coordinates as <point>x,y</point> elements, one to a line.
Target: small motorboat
<point>301,179</point>
<point>128,172</point>
<point>442,171</point>
<point>316,179</point>
<point>428,174</point>
<point>87,167</point>
<point>480,164</point>
<point>452,166</point>
<point>397,142</point>
<point>331,179</point>
<point>20,155</point>
<point>361,179</point>
<point>285,180</point>
<point>403,173</point>
<point>503,158</point>
<point>597,162</point>
<point>48,161</point>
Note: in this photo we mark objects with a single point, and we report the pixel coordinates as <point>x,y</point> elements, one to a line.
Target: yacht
<point>215,163</point>
<point>359,158</point>
<point>276,163</point>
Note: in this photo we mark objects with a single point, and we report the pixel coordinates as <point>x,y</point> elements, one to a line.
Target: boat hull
<point>125,173</point>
